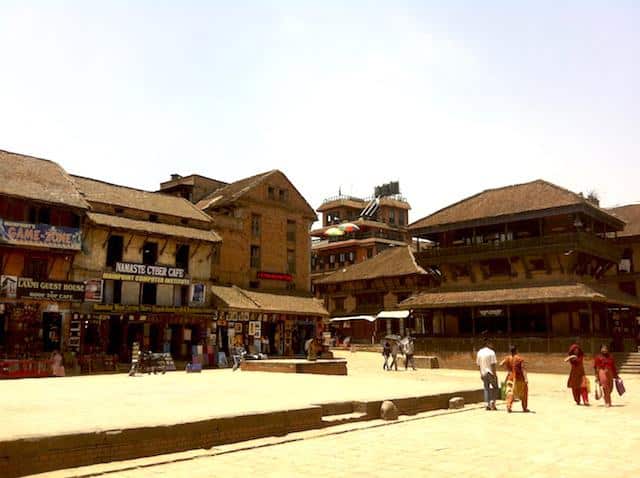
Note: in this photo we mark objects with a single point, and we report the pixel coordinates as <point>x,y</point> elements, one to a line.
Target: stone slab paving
<point>54,406</point>
<point>558,439</point>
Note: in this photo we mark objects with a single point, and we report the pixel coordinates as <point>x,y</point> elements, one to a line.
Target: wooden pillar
<point>591,323</point>
<point>473,321</point>
<point>509,321</point>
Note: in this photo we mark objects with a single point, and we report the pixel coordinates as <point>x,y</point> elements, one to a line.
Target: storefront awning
<point>393,314</point>
<point>369,318</point>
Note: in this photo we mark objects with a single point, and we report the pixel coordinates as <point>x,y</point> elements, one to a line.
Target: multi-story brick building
<point>264,224</point>
<point>382,222</point>
<point>153,253</point>
<point>524,261</point>
<point>41,227</point>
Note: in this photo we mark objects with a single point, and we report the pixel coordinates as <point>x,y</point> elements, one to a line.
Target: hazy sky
<point>448,97</point>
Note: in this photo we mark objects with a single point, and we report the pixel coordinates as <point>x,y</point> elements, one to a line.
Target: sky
<point>447,97</point>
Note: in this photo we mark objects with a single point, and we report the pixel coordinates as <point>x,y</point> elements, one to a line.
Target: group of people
<point>517,384</point>
<point>392,348</point>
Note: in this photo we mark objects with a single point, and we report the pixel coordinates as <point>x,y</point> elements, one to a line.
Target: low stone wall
<point>319,367</point>
<point>42,454</point>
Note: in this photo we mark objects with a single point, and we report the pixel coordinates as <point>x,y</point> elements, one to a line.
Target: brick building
<point>357,295</point>
<point>526,263</point>
<point>153,253</point>
<point>382,222</point>
<point>41,227</point>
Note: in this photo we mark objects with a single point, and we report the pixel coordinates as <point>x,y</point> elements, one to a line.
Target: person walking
<point>517,381</point>
<point>487,361</point>
<point>395,350</point>
<point>386,353</point>
<point>238,352</point>
<point>409,350</point>
<point>577,381</point>
<point>605,370</point>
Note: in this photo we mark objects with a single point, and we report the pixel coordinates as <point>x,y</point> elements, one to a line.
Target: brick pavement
<point>559,439</point>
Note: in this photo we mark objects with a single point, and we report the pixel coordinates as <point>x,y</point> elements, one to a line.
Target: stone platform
<point>317,367</point>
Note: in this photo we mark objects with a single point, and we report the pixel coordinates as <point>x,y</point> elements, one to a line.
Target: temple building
<point>527,261</point>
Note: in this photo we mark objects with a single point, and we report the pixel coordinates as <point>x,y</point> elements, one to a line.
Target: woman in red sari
<point>578,381</point>
<point>517,381</point>
<point>605,368</point>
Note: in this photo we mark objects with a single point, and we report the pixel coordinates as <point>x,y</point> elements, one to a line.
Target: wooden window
<point>271,192</point>
<point>341,258</point>
<point>338,304</point>
<point>370,253</point>
<point>291,231</point>
<point>182,257</point>
<point>283,195</point>
<point>149,294</point>
<point>115,245</point>
<point>291,261</point>
<point>36,268</point>
<point>255,257</point>
<point>392,216</point>
<point>255,225</point>
<point>150,253</point>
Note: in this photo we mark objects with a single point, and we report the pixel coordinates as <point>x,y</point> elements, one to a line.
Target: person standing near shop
<point>409,350</point>
<point>487,361</point>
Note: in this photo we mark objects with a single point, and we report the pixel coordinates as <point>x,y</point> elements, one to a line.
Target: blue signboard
<point>42,235</point>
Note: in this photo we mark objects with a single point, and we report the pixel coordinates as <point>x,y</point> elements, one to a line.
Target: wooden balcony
<point>557,243</point>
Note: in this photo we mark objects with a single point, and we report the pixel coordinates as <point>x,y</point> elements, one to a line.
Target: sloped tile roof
<point>158,228</point>
<point>241,299</point>
<point>536,195</point>
<point>631,215</point>
<point>37,179</point>
<point>96,191</point>
<point>232,192</point>
<point>393,262</point>
<point>519,295</point>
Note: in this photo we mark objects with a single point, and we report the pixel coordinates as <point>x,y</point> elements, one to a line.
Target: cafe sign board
<point>50,290</point>
<point>40,235</point>
<point>158,274</point>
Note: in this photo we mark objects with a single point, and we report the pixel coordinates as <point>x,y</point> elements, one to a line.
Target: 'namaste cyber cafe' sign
<point>129,271</point>
<point>43,235</point>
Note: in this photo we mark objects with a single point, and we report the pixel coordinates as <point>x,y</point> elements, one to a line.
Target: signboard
<point>151,309</point>
<point>275,276</point>
<point>129,271</point>
<point>50,290</point>
<point>491,312</point>
<point>8,287</point>
<point>93,290</point>
<point>42,235</point>
<point>196,293</point>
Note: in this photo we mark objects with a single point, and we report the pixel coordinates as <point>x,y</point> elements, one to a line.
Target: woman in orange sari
<point>605,368</point>
<point>578,381</point>
<point>517,382</point>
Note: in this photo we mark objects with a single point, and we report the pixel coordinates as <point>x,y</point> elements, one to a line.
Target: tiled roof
<point>96,191</point>
<point>241,299</point>
<point>394,262</point>
<point>232,192</point>
<point>537,195</point>
<point>519,295</point>
<point>37,179</point>
<point>631,215</point>
<point>158,228</point>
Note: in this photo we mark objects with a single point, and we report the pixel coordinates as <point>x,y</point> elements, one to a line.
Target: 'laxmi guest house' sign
<point>43,235</point>
<point>129,271</point>
<point>50,290</point>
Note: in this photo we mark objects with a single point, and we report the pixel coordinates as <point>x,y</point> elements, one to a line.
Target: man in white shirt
<point>486,360</point>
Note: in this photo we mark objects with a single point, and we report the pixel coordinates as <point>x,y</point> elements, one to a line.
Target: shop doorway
<point>51,328</point>
<point>305,332</point>
<point>115,335</point>
<point>223,340</point>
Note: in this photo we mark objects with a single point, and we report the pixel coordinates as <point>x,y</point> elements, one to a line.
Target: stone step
<point>332,420</point>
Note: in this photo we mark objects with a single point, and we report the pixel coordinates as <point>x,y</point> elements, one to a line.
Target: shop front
<point>271,324</point>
